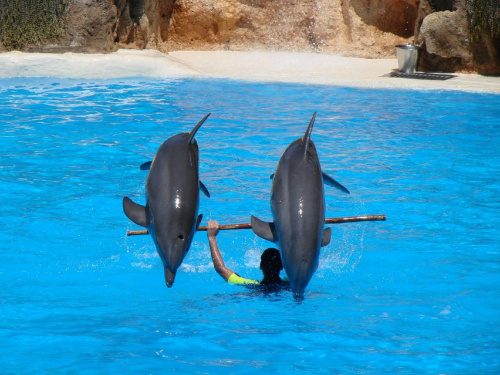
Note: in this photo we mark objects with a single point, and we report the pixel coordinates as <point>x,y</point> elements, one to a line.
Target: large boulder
<point>449,46</point>
<point>445,36</point>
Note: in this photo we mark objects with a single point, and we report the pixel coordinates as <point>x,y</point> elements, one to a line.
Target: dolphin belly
<point>173,196</point>
<point>297,203</point>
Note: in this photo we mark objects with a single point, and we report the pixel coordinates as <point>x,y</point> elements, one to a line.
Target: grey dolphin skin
<point>172,200</point>
<point>298,208</point>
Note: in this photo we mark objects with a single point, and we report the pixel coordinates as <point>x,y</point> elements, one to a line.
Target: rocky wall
<point>357,28</point>
<point>347,27</point>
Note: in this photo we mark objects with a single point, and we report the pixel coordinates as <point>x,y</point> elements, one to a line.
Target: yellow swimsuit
<point>235,279</point>
<point>238,280</point>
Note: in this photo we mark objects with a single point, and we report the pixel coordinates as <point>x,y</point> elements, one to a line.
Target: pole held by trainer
<point>331,220</point>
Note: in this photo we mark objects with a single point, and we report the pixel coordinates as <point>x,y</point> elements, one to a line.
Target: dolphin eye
<point>180,237</point>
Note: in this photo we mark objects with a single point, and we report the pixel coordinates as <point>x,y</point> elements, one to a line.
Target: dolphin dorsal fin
<point>306,138</point>
<point>193,132</point>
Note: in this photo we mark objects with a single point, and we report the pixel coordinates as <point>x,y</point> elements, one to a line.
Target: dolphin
<point>298,209</point>
<point>172,200</point>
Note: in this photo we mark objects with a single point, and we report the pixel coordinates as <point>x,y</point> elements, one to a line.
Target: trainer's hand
<point>212,228</point>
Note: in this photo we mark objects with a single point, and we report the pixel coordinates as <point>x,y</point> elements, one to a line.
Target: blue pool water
<point>417,294</point>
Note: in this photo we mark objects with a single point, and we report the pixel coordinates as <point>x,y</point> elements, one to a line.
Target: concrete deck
<point>253,66</point>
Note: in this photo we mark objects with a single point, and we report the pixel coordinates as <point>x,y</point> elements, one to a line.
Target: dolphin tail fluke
<point>263,229</point>
<point>193,132</point>
<point>135,212</point>
<point>331,182</point>
<point>307,136</point>
<point>169,277</point>
<point>327,236</point>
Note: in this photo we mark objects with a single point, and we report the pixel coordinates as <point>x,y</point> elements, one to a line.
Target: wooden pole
<point>331,220</point>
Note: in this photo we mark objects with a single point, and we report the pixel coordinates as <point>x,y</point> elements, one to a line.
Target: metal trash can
<point>408,56</point>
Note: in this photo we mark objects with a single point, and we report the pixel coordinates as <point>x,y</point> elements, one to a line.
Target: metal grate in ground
<point>422,75</point>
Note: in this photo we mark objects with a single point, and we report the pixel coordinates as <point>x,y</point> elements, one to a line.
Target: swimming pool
<point>418,293</point>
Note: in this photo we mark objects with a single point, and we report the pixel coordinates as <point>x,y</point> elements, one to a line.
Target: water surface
<point>418,293</point>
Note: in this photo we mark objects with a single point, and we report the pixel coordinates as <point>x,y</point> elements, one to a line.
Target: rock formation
<point>349,27</point>
<point>361,28</point>
<point>358,28</point>
<point>448,43</point>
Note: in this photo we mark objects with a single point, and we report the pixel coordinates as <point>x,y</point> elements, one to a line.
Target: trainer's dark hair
<point>271,260</point>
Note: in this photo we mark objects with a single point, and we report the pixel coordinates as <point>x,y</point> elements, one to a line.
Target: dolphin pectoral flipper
<point>135,212</point>
<point>263,229</point>
<point>331,182</point>
<point>204,189</point>
<point>169,277</point>
<point>198,221</point>
<point>146,166</point>
<point>327,235</point>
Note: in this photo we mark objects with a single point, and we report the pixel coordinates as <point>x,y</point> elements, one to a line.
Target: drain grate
<point>421,75</point>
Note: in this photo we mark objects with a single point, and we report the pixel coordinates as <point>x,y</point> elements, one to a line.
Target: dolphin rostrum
<point>172,200</point>
<point>298,208</point>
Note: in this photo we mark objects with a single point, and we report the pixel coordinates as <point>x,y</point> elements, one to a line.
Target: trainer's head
<point>270,262</point>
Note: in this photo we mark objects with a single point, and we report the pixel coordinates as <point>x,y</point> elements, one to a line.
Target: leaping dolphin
<point>298,208</point>
<point>172,200</point>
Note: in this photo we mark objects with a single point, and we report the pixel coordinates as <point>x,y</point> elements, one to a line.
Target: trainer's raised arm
<point>219,266</point>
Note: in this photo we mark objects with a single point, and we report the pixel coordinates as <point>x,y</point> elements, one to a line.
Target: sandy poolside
<point>255,66</point>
